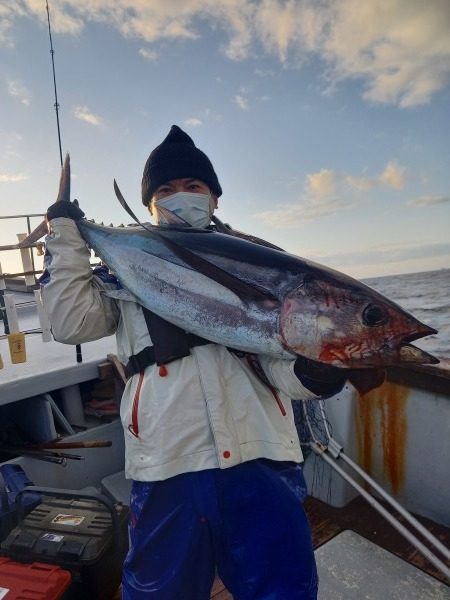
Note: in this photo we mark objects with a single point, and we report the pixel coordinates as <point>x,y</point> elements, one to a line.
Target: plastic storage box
<point>37,581</point>
<point>84,533</point>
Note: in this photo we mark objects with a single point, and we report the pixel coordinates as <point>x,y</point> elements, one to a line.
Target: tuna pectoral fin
<point>173,219</point>
<point>125,206</point>
<point>365,380</point>
<point>243,290</point>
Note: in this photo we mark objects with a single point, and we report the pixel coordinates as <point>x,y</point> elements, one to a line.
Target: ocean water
<point>425,295</point>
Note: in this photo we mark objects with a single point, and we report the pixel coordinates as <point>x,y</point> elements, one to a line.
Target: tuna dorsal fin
<point>227,229</point>
<point>244,290</point>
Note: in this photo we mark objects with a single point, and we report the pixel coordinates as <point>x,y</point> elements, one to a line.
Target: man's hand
<point>319,378</point>
<point>70,210</point>
<point>326,380</point>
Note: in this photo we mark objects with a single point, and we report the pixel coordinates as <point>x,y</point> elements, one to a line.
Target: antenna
<point>56,105</point>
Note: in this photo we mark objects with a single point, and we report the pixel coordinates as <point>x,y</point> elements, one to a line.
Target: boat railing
<point>24,280</point>
<point>27,255</point>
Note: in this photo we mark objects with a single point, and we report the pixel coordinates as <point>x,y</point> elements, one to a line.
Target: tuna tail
<point>64,182</point>
<point>63,195</point>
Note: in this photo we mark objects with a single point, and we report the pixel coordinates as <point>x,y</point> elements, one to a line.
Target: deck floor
<point>327,521</point>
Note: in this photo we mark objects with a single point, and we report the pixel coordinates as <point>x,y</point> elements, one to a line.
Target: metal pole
<point>31,250</point>
<point>398,507</point>
<point>321,451</point>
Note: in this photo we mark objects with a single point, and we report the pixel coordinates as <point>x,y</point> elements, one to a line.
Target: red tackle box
<point>36,581</point>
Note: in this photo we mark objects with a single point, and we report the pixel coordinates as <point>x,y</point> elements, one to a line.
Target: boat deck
<point>358,516</point>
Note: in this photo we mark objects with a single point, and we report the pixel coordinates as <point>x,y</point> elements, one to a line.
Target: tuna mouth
<point>421,332</point>
<point>413,355</point>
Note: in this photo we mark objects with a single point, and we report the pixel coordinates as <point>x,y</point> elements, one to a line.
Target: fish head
<point>343,322</point>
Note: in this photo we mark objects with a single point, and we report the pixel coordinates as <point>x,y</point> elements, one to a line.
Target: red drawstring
<point>133,427</point>
<point>258,371</point>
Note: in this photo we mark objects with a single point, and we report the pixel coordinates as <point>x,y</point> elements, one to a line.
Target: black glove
<point>70,210</point>
<point>319,378</point>
<point>326,380</point>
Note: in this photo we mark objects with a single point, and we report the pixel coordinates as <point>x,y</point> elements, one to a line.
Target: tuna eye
<point>374,315</point>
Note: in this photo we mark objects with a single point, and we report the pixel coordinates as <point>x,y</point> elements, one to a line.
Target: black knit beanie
<point>177,157</point>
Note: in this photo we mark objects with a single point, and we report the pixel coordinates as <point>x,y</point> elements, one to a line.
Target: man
<point>211,444</point>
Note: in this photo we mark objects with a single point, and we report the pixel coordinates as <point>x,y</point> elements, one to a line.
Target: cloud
<point>321,184</point>
<point>393,176</point>
<point>241,101</point>
<point>17,90</point>
<point>429,200</point>
<point>193,122</point>
<point>291,215</point>
<point>84,114</point>
<point>377,261</point>
<point>10,145</point>
<point>390,253</point>
<point>9,13</point>
<point>4,178</point>
<point>361,184</point>
<point>398,49</point>
<point>327,192</point>
<point>148,54</point>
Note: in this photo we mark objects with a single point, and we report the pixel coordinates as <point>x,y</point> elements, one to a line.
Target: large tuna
<point>254,298</point>
<point>257,299</point>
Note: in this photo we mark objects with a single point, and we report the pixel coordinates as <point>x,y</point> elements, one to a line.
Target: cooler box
<point>37,581</point>
<point>84,533</point>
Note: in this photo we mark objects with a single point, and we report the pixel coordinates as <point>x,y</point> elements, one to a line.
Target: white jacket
<point>211,410</point>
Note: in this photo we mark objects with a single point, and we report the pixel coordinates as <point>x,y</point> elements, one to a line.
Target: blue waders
<point>246,521</point>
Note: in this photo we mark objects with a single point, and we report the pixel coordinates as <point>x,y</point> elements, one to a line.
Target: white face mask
<point>195,209</point>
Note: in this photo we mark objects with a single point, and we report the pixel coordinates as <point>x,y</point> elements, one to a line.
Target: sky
<point>327,121</point>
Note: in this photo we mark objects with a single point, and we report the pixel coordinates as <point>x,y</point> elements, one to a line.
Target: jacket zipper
<point>133,427</point>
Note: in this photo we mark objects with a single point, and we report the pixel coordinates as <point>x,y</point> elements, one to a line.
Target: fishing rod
<point>56,105</point>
